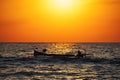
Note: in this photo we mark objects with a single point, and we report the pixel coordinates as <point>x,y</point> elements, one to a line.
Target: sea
<point>17,61</point>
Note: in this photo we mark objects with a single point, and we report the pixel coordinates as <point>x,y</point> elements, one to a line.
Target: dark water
<point>18,63</point>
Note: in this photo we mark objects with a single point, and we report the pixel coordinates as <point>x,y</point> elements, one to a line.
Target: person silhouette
<point>44,50</point>
<point>37,53</point>
<point>79,54</point>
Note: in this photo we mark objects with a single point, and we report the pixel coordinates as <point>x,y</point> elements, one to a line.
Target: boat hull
<point>37,53</point>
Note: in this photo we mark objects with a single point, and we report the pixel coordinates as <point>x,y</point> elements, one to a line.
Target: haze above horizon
<point>59,21</point>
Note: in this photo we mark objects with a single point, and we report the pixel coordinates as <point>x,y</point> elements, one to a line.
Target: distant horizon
<point>59,42</point>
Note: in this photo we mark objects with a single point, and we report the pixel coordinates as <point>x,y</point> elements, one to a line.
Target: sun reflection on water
<point>60,48</point>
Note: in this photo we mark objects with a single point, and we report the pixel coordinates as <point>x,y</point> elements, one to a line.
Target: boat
<point>38,53</point>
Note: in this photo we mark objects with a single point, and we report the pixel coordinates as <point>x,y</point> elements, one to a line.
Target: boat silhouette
<point>38,53</point>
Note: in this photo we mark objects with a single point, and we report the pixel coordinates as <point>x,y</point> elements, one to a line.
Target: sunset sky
<point>59,20</point>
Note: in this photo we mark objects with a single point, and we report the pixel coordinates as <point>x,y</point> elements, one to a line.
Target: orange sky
<point>59,20</point>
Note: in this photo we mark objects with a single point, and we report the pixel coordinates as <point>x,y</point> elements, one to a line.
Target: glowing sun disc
<point>63,4</point>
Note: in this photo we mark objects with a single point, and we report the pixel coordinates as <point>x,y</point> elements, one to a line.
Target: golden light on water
<point>60,48</point>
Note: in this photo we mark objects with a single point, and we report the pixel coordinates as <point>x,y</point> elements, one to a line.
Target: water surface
<point>102,63</point>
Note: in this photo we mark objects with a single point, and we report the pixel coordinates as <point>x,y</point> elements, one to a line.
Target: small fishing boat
<point>38,53</point>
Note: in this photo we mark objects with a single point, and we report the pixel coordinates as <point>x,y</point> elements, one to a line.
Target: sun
<point>63,3</point>
<point>60,5</point>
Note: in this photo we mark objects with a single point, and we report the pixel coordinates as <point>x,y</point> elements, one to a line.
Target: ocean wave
<point>60,59</point>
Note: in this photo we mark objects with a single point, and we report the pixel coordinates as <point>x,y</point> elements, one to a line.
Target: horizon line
<point>61,42</point>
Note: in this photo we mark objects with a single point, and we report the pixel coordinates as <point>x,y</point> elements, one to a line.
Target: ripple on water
<point>17,62</point>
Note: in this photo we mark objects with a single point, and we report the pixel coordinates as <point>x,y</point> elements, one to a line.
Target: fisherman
<point>44,50</point>
<point>37,53</point>
<point>80,54</point>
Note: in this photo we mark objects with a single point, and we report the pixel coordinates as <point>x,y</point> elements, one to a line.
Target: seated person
<point>80,54</point>
<point>44,50</point>
<point>37,53</point>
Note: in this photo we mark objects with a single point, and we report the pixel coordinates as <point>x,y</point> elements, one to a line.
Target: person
<point>37,53</point>
<point>80,54</point>
<point>44,50</point>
